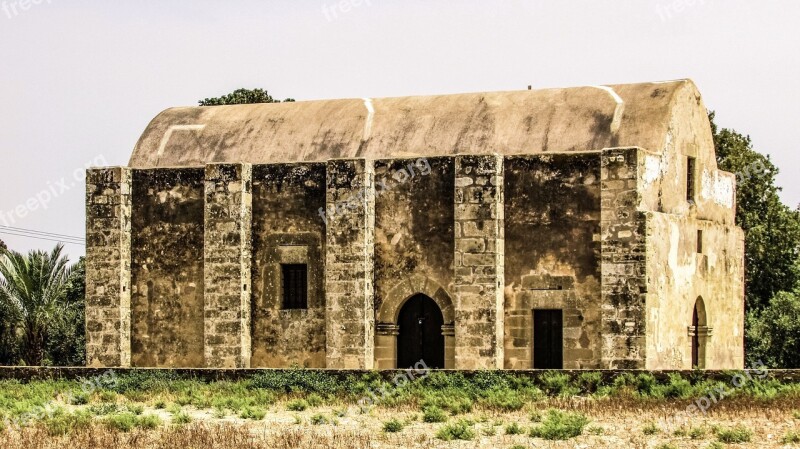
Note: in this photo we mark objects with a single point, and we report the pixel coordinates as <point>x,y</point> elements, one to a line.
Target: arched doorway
<point>699,333</point>
<point>420,333</point>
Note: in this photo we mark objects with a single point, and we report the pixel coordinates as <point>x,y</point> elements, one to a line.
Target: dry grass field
<point>299,411</point>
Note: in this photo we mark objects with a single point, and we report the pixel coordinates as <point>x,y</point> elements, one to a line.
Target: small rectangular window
<point>690,179</point>
<point>295,286</point>
<point>700,242</point>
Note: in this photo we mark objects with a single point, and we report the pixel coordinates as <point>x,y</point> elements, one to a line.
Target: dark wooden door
<point>420,335</point>
<point>695,339</point>
<point>548,341</point>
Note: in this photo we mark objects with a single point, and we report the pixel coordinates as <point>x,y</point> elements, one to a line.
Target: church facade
<point>578,228</point>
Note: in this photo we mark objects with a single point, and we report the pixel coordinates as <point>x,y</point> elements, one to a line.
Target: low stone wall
<point>26,374</point>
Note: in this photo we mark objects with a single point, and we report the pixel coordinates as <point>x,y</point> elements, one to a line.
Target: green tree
<point>772,230</point>
<point>66,342</point>
<point>242,96</point>
<point>774,332</point>
<point>33,290</point>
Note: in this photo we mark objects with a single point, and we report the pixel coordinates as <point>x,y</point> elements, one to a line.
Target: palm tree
<point>32,290</point>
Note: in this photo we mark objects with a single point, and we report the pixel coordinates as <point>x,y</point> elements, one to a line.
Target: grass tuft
<point>560,425</point>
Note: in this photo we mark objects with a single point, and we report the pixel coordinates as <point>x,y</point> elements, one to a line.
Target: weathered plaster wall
<point>663,170</point>
<point>287,228</point>
<point>167,268</point>
<point>413,223</point>
<point>552,206</point>
<point>677,275</point>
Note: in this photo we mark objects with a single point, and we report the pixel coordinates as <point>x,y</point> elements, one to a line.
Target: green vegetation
<point>433,414</point>
<point>254,413</point>
<point>181,418</point>
<point>242,96</point>
<point>738,434</point>
<point>791,437</point>
<point>297,405</point>
<point>514,429</point>
<point>320,419</point>
<point>459,430</point>
<point>560,425</point>
<point>393,426</point>
<point>34,301</point>
<point>651,429</point>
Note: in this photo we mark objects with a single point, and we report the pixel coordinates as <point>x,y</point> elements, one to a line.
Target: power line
<point>39,235</point>
<point>43,233</point>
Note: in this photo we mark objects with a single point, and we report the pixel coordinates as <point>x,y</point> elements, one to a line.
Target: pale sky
<point>80,79</point>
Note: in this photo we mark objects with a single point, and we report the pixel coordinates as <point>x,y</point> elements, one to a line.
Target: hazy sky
<point>80,79</point>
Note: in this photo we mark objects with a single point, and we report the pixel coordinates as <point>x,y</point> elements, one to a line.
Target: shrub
<point>650,429</point>
<point>433,414</point>
<point>103,409</point>
<point>160,404</point>
<point>314,400</point>
<point>796,414</point>
<point>666,446</point>
<point>790,438</point>
<point>393,426</point>
<point>181,418</point>
<point>319,419</point>
<point>555,383</point>
<point>80,398</point>
<point>121,422</point>
<point>696,433</point>
<point>514,429</point>
<point>738,434</point>
<point>560,425</point>
<point>149,422</point>
<point>297,405</point>
<point>595,430</point>
<point>460,430</point>
<point>254,413</point>
<point>504,399</point>
<point>299,380</point>
<point>136,409</point>
<point>62,423</point>
<point>590,382</point>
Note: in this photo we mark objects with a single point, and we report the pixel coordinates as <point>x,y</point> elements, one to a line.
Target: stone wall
<point>479,262</point>
<point>108,267</point>
<point>413,223</point>
<point>552,253</point>
<point>227,257</point>
<point>678,273</point>
<point>288,228</point>
<point>623,259</point>
<point>349,264</point>
<point>167,272</point>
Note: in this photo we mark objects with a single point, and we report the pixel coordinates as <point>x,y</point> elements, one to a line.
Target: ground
<point>316,410</point>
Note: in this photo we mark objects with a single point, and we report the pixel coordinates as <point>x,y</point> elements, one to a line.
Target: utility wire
<point>39,235</point>
<point>42,233</point>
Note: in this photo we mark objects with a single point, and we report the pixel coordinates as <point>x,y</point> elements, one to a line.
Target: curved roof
<point>517,122</point>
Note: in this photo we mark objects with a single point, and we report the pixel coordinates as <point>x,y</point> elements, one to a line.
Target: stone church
<point>578,228</point>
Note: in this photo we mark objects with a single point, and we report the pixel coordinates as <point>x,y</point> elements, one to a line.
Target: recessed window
<point>699,241</point>
<point>294,286</point>
<point>690,179</point>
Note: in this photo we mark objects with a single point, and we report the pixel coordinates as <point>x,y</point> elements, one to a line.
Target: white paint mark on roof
<point>172,129</point>
<point>370,116</point>
<point>617,121</point>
